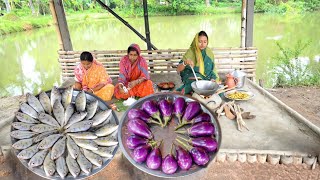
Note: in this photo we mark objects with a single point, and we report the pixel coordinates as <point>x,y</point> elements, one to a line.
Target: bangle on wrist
<point>183,63</point>
<point>92,91</point>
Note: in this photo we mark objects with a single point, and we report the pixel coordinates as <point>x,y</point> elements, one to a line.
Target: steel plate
<point>39,170</point>
<point>166,134</point>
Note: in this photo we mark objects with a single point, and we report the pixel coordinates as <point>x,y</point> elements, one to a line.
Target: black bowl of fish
<point>64,134</point>
<point>157,134</point>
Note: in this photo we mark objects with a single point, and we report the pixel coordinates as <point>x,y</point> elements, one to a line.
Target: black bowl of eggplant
<point>169,135</point>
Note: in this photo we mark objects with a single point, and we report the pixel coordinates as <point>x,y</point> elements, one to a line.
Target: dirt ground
<point>304,100</point>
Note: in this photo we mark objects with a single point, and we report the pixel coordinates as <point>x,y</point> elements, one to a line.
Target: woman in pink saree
<point>134,79</point>
<point>91,76</point>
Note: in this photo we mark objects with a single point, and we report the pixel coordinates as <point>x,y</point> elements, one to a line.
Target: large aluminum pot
<point>204,87</point>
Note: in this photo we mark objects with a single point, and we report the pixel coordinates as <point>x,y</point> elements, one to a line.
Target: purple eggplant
<point>179,107</point>
<point>151,108</point>
<point>140,153</point>
<point>134,141</point>
<point>166,110</point>
<point>203,117</point>
<point>184,159</point>
<point>140,128</point>
<point>154,158</point>
<point>169,164</point>
<point>138,113</point>
<point>207,143</point>
<point>192,110</point>
<point>199,130</point>
<point>198,154</point>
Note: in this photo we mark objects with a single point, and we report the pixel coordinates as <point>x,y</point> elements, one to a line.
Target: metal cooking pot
<point>204,87</point>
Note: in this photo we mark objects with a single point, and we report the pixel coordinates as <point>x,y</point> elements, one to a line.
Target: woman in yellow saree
<point>91,76</point>
<point>201,59</point>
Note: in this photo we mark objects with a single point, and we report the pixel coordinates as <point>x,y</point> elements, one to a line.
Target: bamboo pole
<point>55,22</point>
<point>243,23</point>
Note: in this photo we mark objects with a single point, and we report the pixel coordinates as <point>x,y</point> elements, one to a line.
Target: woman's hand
<point>189,62</point>
<point>133,83</point>
<point>122,91</point>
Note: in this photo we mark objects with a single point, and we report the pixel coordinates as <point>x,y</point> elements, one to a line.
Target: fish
<point>86,143</point>
<point>73,166</point>
<point>101,116</point>
<point>66,96</point>
<point>81,101</point>
<point>23,144</point>
<point>84,164</point>
<point>93,158</point>
<point>38,158</point>
<point>34,103</point>
<point>22,126</point>
<point>55,95</point>
<point>58,148</point>
<point>18,134</point>
<point>41,136</point>
<point>106,129</point>
<point>68,112</point>
<point>29,152</point>
<point>58,112</point>
<point>25,118</point>
<point>48,165</point>
<point>105,151</point>
<point>79,126</point>
<point>76,117</point>
<point>40,128</point>
<point>25,108</point>
<point>48,142</point>
<point>83,135</point>
<point>106,141</point>
<point>61,166</point>
<point>72,147</point>
<point>48,119</point>
<point>45,102</point>
<point>91,109</point>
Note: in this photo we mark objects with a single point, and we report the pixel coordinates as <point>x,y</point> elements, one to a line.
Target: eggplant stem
<point>180,125</point>
<point>183,138</point>
<point>171,148</point>
<point>181,131</point>
<point>183,144</point>
<point>155,122</point>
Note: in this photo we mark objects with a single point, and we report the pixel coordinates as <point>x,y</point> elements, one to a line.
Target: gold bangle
<point>92,91</point>
<point>183,63</point>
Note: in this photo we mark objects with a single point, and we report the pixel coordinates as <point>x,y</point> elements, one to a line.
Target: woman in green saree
<point>201,59</point>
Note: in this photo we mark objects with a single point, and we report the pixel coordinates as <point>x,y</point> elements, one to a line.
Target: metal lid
<point>238,73</point>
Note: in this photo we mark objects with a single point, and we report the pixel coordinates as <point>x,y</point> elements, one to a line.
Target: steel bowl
<point>39,170</point>
<point>204,87</point>
<point>166,134</point>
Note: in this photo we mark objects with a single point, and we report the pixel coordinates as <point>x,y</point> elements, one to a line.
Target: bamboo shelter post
<point>243,23</point>
<point>146,24</point>
<point>249,23</point>
<point>59,18</point>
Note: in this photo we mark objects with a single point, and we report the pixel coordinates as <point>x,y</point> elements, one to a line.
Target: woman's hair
<point>86,56</point>
<point>131,48</point>
<point>202,33</point>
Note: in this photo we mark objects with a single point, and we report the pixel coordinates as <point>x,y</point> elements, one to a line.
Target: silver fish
<point>91,109</point>
<point>86,143</point>
<point>47,119</point>
<point>79,126</point>
<point>101,116</point>
<point>34,103</point>
<point>61,166</point>
<point>22,144</point>
<point>76,117</point>
<point>106,141</point>
<point>93,158</point>
<point>73,166</point>
<point>38,158</point>
<point>55,95</point>
<point>41,136</point>
<point>84,164</point>
<point>105,151</point>
<point>68,112</point>
<point>58,112</point>
<point>40,128</point>
<point>25,108</point>
<point>25,118</point>
<point>106,129</point>
<point>67,96</point>
<point>18,134</point>
<point>48,142</point>
<point>58,148</point>
<point>45,102</point>
<point>29,152</point>
<point>22,126</point>
<point>72,147</point>
<point>81,101</point>
<point>83,135</point>
<point>48,165</point>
